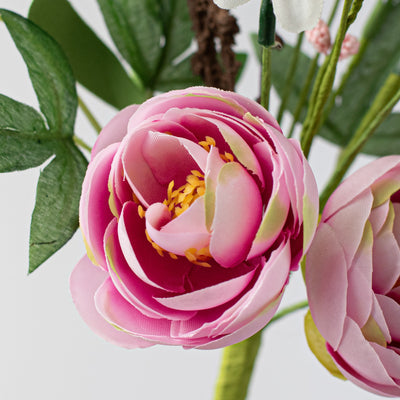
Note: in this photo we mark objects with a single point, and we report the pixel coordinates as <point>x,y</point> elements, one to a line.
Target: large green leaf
<point>27,139</point>
<point>150,35</point>
<point>55,216</point>
<point>94,65</point>
<point>55,89</point>
<point>379,55</point>
<point>22,132</point>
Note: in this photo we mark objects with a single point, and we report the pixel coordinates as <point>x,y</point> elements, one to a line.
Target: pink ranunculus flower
<point>320,37</point>
<point>195,209</point>
<point>352,277</point>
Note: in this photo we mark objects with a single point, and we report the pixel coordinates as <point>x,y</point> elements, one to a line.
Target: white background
<point>46,350</point>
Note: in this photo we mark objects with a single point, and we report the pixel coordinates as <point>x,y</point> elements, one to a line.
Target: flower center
<point>177,201</point>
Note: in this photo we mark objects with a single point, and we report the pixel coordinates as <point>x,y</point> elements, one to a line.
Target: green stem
<point>333,12</point>
<point>290,78</point>
<point>236,369</point>
<point>304,94</point>
<point>238,361</point>
<point>323,85</point>
<point>266,76</point>
<point>310,75</point>
<point>383,104</point>
<point>288,310</point>
<point>89,115</point>
<point>79,142</point>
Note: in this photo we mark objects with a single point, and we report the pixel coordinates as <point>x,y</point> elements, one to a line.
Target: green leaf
<point>178,76</point>
<point>21,136</point>
<point>26,141</point>
<point>93,64</point>
<point>378,56</point>
<point>55,89</point>
<point>242,58</point>
<point>280,63</point>
<point>386,139</point>
<point>150,35</point>
<point>55,216</point>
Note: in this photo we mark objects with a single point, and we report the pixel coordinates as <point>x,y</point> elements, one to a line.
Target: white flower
<point>293,15</point>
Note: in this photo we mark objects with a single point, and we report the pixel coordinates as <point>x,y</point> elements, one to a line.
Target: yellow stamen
<point>190,254</point>
<point>227,157</point>
<point>207,143</point>
<point>141,211</point>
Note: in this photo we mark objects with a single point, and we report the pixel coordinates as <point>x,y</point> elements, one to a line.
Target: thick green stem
<point>290,78</point>
<point>323,85</point>
<point>79,142</point>
<point>89,115</point>
<point>266,76</point>
<point>383,104</point>
<point>236,369</point>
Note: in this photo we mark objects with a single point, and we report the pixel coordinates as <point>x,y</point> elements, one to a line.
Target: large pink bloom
<point>195,208</point>
<point>352,276</point>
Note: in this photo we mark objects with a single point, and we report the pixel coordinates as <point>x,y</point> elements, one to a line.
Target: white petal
<point>228,4</point>
<point>297,15</point>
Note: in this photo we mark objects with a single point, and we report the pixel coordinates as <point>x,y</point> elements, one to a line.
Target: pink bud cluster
<point>320,38</point>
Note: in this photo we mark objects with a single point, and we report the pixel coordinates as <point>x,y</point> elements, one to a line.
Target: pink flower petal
<point>152,160</point>
<point>266,293</point>
<point>115,130</point>
<point>213,168</point>
<point>390,359</point>
<point>84,282</point>
<point>391,312</point>
<point>396,222</point>
<point>237,215</point>
<point>386,258</point>
<point>245,331</point>
<point>326,281</point>
<point>359,294</point>
<point>361,356</point>
<point>118,312</point>
<point>94,211</point>
<point>353,376</point>
<point>186,231</point>
<point>131,287</point>
<point>208,297</point>
<point>240,149</point>
<point>273,221</point>
<point>244,317</point>
<point>360,181</point>
<point>145,262</point>
<point>349,223</point>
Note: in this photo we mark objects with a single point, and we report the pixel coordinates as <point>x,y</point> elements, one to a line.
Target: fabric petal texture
<point>353,276</point>
<point>195,210</point>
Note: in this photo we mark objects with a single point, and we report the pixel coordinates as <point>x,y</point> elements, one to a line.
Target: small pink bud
<point>350,46</point>
<point>320,37</point>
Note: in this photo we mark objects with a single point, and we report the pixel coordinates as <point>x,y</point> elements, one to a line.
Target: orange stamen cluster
<point>158,248</point>
<point>199,257</point>
<point>179,200</point>
<point>206,144</point>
